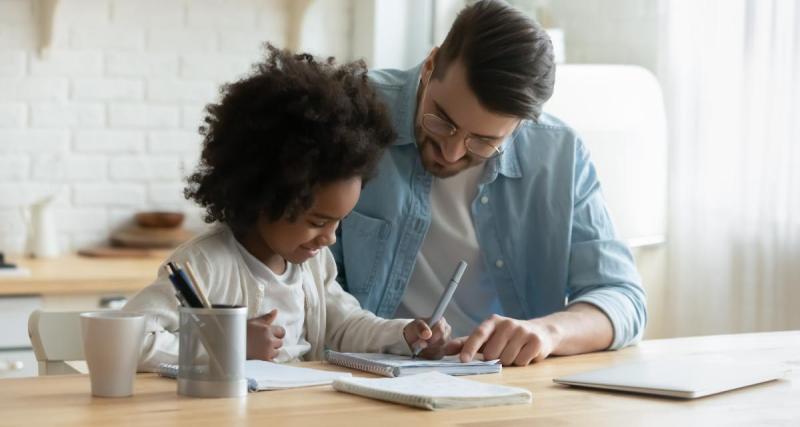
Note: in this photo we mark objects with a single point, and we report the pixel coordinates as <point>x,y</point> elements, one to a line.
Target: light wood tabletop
<point>74,274</point>
<point>66,400</point>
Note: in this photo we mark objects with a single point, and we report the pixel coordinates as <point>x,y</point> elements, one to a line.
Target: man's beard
<point>436,169</point>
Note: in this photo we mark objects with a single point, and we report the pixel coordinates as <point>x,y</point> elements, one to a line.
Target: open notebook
<point>272,376</point>
<point>391,365</point>
<point>434,390</point>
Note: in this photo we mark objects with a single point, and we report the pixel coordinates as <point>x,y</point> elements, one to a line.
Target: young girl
<point>285,155</point>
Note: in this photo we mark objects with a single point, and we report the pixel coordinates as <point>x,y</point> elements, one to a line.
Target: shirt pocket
<point>364,240</point>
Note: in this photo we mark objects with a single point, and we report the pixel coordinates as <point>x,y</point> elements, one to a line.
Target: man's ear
<point>427,66</point>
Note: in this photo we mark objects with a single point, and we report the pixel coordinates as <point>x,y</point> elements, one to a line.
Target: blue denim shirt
<point>544,232</point>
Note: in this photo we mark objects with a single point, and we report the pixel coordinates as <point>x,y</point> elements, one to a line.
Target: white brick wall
<point>33,89</point>
<point>33,141</point>
<point>14,168</point>
<point>107,90</point>
<point>67,115</point>
<point>178,90</point>
<point>140,64</point>
<point>109,117</point>
<point>107,37</point>
<point>12,64</point>
<point>70,167</point>
<point>12,115</point>
<point>68,64</point>
<point>109,141</point>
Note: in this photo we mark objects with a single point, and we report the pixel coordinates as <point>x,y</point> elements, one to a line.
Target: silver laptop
<point>683,378</point>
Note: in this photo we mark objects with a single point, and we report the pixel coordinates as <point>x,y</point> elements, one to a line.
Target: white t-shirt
<point>285,293</point>
<point>451,238</point>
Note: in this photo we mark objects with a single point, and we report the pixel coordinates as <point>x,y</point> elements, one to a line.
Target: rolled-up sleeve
<point>602,271</point>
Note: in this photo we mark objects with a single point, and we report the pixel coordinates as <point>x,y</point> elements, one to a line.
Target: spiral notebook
<point>434,390</point>
<point>392,365</point>
<point>272,376</point>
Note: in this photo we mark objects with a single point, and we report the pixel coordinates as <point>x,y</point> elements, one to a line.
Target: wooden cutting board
<point>149,237</point>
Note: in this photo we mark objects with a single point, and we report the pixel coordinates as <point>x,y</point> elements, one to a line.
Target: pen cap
<point>460,268</point>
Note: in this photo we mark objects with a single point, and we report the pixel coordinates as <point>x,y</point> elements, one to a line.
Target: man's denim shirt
<point>544,232</point>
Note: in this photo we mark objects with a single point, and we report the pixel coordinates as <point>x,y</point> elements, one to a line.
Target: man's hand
<point>434,342</point>
<point>581,328</point>
<point>264,339</point>
<point>514,342</point>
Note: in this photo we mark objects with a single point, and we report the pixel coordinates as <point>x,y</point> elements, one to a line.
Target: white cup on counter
<point>112,343</point>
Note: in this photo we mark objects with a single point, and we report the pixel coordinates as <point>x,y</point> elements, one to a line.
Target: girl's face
<point>301,239</point>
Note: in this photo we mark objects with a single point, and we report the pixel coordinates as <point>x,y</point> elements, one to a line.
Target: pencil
<point>198,285</point>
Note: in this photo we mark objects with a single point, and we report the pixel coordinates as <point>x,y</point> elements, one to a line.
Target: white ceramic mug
<point>112,342</point>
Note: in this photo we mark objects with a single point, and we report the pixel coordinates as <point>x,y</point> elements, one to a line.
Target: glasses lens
<point>482,148</point>
<point>436,125</point>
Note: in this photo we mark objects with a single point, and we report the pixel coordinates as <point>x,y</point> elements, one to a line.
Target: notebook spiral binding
<point>407,399</point>
<point>390,396</point>
<point>342,360</point>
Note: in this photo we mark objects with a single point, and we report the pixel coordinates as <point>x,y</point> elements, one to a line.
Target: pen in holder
<point>212,350</point>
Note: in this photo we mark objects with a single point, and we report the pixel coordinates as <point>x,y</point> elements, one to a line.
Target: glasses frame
<point>466,140</point>
<point>498,150</point>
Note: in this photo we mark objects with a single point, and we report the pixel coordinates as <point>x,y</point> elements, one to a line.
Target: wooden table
<point>74,275</point>
<point>66,400</point>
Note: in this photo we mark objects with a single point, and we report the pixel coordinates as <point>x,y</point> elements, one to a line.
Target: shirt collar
<point>408,107</point>
<point>507,164</point>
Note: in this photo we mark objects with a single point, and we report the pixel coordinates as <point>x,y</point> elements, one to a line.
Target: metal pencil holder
<point>212,350</point>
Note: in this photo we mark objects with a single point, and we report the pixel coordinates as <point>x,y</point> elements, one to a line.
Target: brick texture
<point>108,117</point>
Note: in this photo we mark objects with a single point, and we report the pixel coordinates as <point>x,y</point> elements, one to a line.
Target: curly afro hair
<point>293,124</point>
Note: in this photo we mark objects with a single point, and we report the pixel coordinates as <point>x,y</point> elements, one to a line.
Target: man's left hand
<point>514,342</point>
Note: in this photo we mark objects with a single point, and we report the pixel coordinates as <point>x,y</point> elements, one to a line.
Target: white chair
<point>56,340</point>
<point>619,111</point>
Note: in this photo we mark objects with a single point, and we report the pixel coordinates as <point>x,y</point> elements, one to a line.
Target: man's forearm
<point>581,328</point>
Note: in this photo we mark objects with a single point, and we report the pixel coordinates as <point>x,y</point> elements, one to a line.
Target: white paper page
<point>267,373</point>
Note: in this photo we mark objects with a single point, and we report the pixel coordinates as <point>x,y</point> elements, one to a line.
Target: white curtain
<point>732,83</point>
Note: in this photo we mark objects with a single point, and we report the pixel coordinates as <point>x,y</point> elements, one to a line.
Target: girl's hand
<point>434,342</point>
<point>264,339</point>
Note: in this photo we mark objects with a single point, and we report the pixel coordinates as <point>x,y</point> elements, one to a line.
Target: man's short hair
<point>508,58</point>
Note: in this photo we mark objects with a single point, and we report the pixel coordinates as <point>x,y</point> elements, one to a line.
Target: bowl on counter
<point>159,219</point>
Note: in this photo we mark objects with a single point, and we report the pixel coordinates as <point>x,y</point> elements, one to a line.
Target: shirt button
<point>484,200</point>
<point>499,263</point>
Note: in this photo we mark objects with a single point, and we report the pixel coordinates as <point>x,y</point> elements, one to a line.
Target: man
<point>479,173</point>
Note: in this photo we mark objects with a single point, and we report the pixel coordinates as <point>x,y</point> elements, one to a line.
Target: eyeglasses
<point>481,147</point>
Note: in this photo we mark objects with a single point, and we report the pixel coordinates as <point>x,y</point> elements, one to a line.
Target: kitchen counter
<point>77,275</point>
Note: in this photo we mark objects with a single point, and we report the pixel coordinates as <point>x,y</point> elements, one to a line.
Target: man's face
<point>451,100</point>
